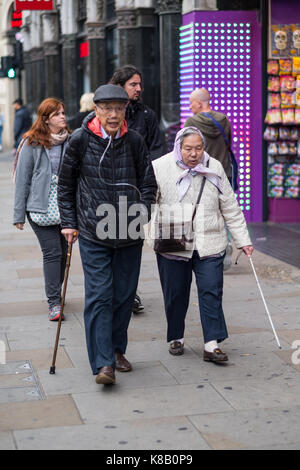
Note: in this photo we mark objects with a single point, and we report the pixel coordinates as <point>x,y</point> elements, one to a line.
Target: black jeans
<point>54,248</point>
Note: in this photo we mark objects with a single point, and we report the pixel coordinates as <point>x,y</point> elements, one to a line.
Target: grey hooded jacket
<point>33,177</point>
<point>215,145</point>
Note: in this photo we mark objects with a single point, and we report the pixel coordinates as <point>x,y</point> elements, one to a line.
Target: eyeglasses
<point>108,110</point>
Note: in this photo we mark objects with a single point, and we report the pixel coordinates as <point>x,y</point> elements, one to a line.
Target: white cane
<point>263,298</point>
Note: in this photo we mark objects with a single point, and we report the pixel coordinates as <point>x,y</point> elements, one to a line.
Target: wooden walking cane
<point>68,262</point>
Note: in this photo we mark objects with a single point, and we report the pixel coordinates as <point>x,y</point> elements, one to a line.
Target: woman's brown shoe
<point>216,356</point>
<point>106,376</point>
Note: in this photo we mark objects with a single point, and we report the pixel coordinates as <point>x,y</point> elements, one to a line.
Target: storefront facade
<point>228,53</point>
<point>76,47</point>
<point>282,121</point>
<point>179,46</point>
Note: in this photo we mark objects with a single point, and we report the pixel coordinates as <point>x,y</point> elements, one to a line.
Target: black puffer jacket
<point>89,193</point>
<point>142,119</point>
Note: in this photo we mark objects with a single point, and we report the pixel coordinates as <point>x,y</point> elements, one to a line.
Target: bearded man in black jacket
<point>106,179</point>
<point>142,119</point>
<point>139,117</point>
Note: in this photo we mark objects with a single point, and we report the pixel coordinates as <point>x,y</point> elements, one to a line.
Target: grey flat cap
<point>110,93</point>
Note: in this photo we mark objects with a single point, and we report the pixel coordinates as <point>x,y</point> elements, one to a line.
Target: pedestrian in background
<point>23,121</point>
<point>180,175</point>
<point>139,117</point>
<point>142,119</point>
<point>2,120</point>
<point>215,144</point>
<point>86,107</point>
<point>36,178</point>
<point>209,122</point>
<point>106,162</point>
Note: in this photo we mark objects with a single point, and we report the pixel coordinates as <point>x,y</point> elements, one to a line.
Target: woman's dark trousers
<point>54,248</point>
<point>176,279</point>
<point>111,279</point>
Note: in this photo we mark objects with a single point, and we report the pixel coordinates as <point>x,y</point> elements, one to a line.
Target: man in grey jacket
<point>215,144</point>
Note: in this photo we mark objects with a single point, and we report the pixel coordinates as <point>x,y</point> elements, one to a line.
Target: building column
<point>203,5</point>
<point>25,31</point>
<point>69,78</point>
<point>96,37</point>
<point>169,22</point>
<point>127,40</point>
<point>97,54</point>
<point>34,62</point>
<point>69,57</point>
<point>51,55</point>
<point>138,46</point>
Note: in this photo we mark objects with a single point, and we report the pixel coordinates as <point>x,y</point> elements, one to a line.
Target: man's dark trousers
<point>111,278</point>
<point>176,279</point>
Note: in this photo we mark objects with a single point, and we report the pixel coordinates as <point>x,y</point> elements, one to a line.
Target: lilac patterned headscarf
<point>184,180</point>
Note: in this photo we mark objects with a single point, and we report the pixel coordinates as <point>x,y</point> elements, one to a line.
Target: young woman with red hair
<point>40,154</point>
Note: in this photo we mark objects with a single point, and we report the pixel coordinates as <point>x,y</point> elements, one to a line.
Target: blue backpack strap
<point>235,168</point>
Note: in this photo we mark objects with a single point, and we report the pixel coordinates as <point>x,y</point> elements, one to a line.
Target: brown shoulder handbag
<point>177,236</point>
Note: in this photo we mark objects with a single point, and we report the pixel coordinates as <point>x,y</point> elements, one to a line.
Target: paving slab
<point>172,433</point>
<point>52,412</point>
<point>290,336</point>
<point>7,441</point>
<point>243,341</point>
<point>258,393</point>
<point>250,429</point>
<point>78,380</point>
<point>18,394</point>
<point>41,358</point>
<point>154,402</point>
<point>22,334</point>
<point>23,308</point>
<point>188,370</point>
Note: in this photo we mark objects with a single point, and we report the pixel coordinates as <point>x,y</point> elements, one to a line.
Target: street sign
<point>33,5</point>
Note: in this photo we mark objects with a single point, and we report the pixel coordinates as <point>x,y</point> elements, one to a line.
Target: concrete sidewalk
<point>166,402</point>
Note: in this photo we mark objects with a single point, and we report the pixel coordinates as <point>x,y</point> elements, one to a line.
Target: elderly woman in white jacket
<point>179,177</point>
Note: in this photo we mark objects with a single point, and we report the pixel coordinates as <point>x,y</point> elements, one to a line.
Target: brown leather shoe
<point>216,356</point>
<point>176,348</point>
<point>122,365</point>
<point>106,376</point>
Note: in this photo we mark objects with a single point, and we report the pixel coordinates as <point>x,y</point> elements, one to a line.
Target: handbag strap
<point>235,168</point>
<point>200,193</point>
<point>216,123</point>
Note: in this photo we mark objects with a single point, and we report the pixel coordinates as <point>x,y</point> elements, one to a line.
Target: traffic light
<point>8,67</point>
<point>11,73</point>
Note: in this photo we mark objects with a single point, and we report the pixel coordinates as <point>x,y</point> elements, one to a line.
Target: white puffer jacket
<point>215,209</point>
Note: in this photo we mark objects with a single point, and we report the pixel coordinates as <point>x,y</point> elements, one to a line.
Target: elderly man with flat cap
<point>105,191</point>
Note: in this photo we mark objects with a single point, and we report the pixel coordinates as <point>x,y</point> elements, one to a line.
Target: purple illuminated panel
<point>220,51</point>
